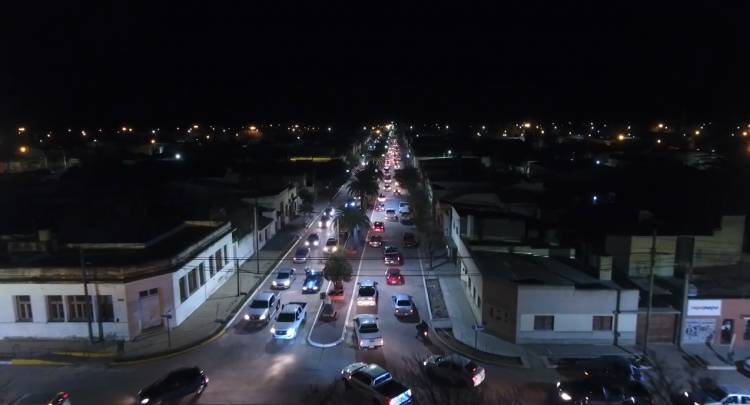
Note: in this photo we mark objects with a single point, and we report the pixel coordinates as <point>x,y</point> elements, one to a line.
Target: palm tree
<point>350,219</point>
<point>365,186</point>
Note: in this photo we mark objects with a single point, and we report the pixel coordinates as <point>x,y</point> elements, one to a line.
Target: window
<point>544,322</point>
<point>23,308</point>
<point>183,289</point>
<point>106,310</point>
<point>226,256</point>
<point>202,274</point>
<point>217,258</point>
<point>55,308</point>
<point>192,278</point>
<point>79,308</point>
<point>212,271</point>
<point>602,323</point>
<point>260,236</point>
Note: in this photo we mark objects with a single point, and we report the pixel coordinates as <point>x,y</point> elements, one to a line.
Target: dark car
<point>391,256</point>
<point>174,386</point>
<point>375,241</point>
<point>610,367</point>
<point>454,369</point>
<point>312,282</point>
<point>312,240</point>
<point>301,255</point>
<point>410,241</point>
<point>325,221</point>
<point>597,391</point>
<point>378,227</point>
<point>62,398</point>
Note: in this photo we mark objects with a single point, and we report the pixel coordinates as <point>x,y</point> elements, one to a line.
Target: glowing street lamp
<point>23,149</point>
<point>21,130</point>
<point>621,137</point>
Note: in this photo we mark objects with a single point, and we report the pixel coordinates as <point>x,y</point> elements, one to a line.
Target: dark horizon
<point>73,65</point>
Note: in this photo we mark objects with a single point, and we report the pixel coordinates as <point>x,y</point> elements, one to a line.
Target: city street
<point>246,365</point>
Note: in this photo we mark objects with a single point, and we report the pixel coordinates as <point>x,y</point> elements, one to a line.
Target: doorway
<point>150,306</point>
<point>727,330</point>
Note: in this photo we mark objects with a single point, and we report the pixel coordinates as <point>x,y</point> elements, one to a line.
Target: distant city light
<point>21,129</point>
<point>697,132</point>
<point>450,152</point>
<point>195,126</point>
<point>124,129</point>
<point>658,141</point>
<point>364,128</point>
<point>153,141</point>
<point>23,149</point>
<point>527,125</point>
<point>329,129</point>
<point>595,198</point>
<point>621,137</point>
<point>153,131</point>
<point>484,127</point>
<point>598,162</point>
<point>660,125</point>
<point>177,156</point>
<point>253,127</point>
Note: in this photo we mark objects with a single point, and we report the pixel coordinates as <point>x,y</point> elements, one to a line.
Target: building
<point>531,299</point>
<point>112,290</point>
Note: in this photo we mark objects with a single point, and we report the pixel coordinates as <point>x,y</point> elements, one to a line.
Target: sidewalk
<point>204,324</point>
<point>715,357</point>
<point>461,317</point>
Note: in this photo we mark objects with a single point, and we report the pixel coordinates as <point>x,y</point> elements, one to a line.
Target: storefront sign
<point>704,308</point>
<point>698,330</point>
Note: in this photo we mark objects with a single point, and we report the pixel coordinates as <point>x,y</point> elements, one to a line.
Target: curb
<point>480,359</point>
<point>86,354</point>
<point>222,329</point>
<point>33,362</point>
<point>348,312</point>
<point>722,368</point>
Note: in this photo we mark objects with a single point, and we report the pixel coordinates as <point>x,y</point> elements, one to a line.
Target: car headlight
<point>286,282</point>
<point>315,243</point>
<point>262,317</point>
<point>334,248</point>
<point>273,329</point>
<point>565,397</point>
<point>320,223</point>
<point>145,400</point>
<point>307,243</point>
<point>247,317</point>
<point>424,363</point>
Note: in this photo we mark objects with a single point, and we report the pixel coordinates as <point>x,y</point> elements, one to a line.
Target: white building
<point>132,287</point>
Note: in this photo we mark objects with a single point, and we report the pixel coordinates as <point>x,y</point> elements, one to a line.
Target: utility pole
<point>685,298</point>
<point>86,294</point>
<point>650,292</point>
<point>96,305</point>
<point>237,269</point>
<point>257,233</point>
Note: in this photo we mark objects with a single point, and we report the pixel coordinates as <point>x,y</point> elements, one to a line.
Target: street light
<point>21,129</point>
<point>23,149</point>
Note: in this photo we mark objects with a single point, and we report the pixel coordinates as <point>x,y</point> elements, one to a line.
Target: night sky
<point>67,63</point>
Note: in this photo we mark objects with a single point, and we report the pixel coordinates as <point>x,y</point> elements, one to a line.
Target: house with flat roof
<point>112,289</point>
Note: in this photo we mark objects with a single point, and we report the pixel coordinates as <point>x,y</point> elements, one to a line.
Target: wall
<point>163,283</point>
<point>499,308</point>
<point>198,297</point>
<point>632,254</point>
<point>573,310</point>
<point>40,328</point>
<point>736,309</point>
<point>724,247</point>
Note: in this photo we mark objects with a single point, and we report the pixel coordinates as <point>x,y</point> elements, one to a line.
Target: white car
<point>289,320</point>
<point>367,332</point>
<point>284,278</point>
<point>367,294</point>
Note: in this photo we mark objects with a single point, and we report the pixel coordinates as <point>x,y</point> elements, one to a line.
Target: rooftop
<point>534,270</point>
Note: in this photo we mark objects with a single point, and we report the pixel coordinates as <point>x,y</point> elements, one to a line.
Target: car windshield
<point>312,237</point>
<point>282,275</point>
<point>301,252</point>
<point>403,303</point>
<point>408,237</point>
<point>394,272</point>
<point>366,291</point>
<point>259,304</point>
<point>368,328</point>
<point>390,211</point>
<point>391,250</point>
<point>331,242</point>
<point>285,317</point>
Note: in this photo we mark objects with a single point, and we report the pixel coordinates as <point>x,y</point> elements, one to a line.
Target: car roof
<point>402,296</point>
<point>366,318</point>
<point>456,359</point>
<point>373,370</point>
<point>367,283</point>
<point>285,269</point>
<point>265,295</point>
<point>312,235</point>
<point>393,270</point>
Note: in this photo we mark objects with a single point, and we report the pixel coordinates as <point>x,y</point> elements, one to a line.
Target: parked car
<point>375,382</point>
<point>284,278</point>
<point>393,276</point>
<point>454,369</point>
<point>174,386</point>
<point>598,391</point>
<point>404,207</point>
<point>378,227</point>
<point>312,282</point>
<point>301,255</point>
<point>312,240</point>
<point>410,240</point>
<point>375,241</point>
<point>263,308</point>
<point>366,332</point>
<point>331,246</point>
<point>403,305</point>
<point>289,320</point>
<point>367,293</point>
<point>328,312</point>
<point>612,367</point>
<point>391,256</point>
